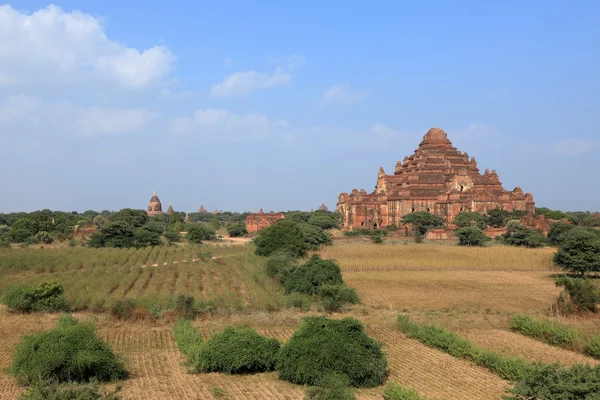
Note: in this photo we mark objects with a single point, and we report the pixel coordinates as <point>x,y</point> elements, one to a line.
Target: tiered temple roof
<point>437,178</point>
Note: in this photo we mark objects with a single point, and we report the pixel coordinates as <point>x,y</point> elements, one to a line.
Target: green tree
<point>555,214</point>
<point>284,235</point>
<point>518,234</point>
<point>18,235</point>
<point>117,234</point>
<point>421,221</point>
<point>144,237</point>
<point>471,236</point>
<point>497,218</point>
<point>468,218</point>
<point>198,232</point>
<point>556,231</point>
<point>132,217</point>
<point>579,251</point>
<point>26,224</point>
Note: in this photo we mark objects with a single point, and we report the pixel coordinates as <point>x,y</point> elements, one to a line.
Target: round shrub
<point>237,229</point>
<point>280,265</point>
<point>335,296</point>
<point>237,351</point>
<point>315,237</point>
<point>331,387</point>
<point>196,233</point>
<point>579,251</point>
<point>45,297</point>
<point>68,391</point>
<point>71,352</point>
<point>285,235</point>
<point>322,347</point>
<point>471,236</point>
<point>308,277</point>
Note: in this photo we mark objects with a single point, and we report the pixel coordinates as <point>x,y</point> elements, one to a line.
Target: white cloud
<point>573,147</point>
<point>111,121</point>
<point>51,46</point>
<point>342,94</point>
<point>21,113</point>
<point>243,83</point>
<point>225,126</point>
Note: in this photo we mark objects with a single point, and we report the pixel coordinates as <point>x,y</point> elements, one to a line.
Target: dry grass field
<point>366,257</point>
<point>471,291</point>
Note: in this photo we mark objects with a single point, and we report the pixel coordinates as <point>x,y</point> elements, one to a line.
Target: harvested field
<point>158,373</point>
<point>229,277</point>
<point>364,257</point>
<point>455,290</point>
<point>514,344</point>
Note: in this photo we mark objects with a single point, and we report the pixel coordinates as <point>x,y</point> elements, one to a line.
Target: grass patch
<point>188,339</point>
<point>557,334</point>
<point>548,331</point>
<point>511,368</point>
<point>69,391</point>
<point>394,391</point>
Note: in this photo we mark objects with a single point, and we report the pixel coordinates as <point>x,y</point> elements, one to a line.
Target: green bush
<point>144,237</point>
<point>377,239</point>
<point>467,218</point>
<point>334,297</point>
<point>322,346</point>
<point>472,236</point>
<point>315,237</point>
<point>45,297</point>
<point>237,351</point>
<point>172,237</point>
<point>237,229</point>
<point>308,277</point>
<point>123,309</point>
<point>71,352</point>
<point>186,307</point>
<point>44,237</point>
<point>53,391</point>
<point>280,265</point>
<point>284,235</point>
<point>579,251</point>
<point>511,368</point>
<point>551,382</point>
<point>518,234</point>
<point>592,348</point>
<point>323,221</point>
<point>393,391</point>
<point>331,387</point>
<point>196,233</point>
<point>188,339</point>
<point>542,329</point>
<point>582,292</point>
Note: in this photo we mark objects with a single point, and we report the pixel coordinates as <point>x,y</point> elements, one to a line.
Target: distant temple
<point>261,220</point>
<point>154,206</point>
<point>438,179</point>
<point>323,207</point>
<point>170,210</point>
<point>202,209</point>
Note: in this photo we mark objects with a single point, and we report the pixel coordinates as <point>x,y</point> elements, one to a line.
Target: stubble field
<point>475,296</point>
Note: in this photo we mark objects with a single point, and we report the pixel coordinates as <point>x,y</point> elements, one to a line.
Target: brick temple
<point>258,221</point>
<point>438,179</point>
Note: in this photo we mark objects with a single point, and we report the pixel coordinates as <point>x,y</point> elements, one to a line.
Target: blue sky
<point>237,105</point>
